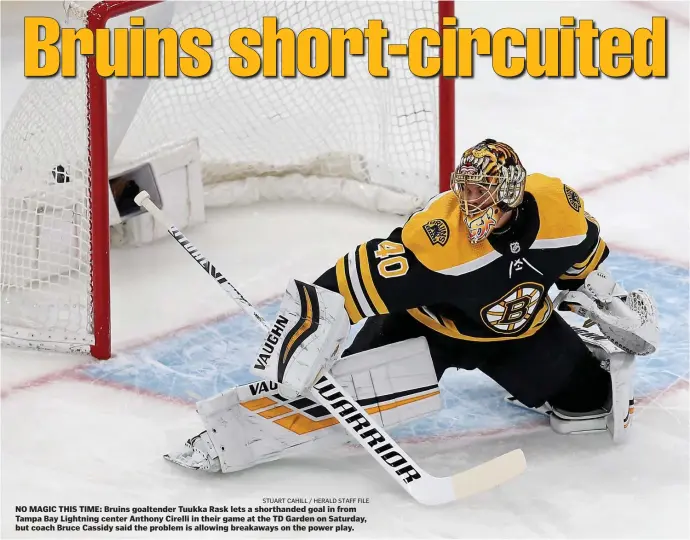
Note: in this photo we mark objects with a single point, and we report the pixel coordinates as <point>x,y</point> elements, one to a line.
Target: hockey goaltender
<point>463,284</point>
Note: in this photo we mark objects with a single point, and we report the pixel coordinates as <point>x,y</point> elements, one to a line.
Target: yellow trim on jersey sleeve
<point>583,269</point>
<point>344,289</point>
<point>592,220</point>
<point>368,281</point>
<point>438,238</point>
<point>558,218</point>
<point>585,263</point>
<point>597,256</point>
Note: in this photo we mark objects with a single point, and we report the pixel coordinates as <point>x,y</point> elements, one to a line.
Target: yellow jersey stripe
<point>586,262</point>
<point>373,295</point>
<point>594,260</point>
<point>592,220</point>
<point>361,298</point>
<point>597,257</point>
<point>344,289</point>
<point>449,329</point>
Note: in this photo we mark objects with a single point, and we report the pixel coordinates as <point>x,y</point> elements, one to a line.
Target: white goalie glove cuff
<point>630,320</point>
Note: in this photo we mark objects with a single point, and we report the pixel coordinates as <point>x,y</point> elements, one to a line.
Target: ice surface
<point>75,431</point>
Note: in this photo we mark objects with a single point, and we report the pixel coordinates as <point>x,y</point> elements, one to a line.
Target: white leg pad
<point>253,424</point>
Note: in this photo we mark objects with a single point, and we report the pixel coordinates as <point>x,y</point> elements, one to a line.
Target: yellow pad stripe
<point>300,424</point>
<point>306,324</point>
<point>257,404</point>
<point>275,411</point>
<point>395,404</point>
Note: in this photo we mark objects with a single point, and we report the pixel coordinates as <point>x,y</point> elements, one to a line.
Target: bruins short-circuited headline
<point>575,48</point>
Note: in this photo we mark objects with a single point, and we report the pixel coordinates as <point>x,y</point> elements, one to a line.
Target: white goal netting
<point>361,139</point>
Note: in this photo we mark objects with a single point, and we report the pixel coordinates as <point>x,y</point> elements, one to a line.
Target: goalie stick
<point>423,487</point>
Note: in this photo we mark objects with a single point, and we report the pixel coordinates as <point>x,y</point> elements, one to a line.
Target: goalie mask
<point>489,181</point>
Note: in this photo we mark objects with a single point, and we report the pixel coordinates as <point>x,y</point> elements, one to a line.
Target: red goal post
<point>396,134</point>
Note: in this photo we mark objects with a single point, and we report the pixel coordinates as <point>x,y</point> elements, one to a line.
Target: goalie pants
<point>552,365</point>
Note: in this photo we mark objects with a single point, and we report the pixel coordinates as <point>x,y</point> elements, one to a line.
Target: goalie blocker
<point>305,339</point>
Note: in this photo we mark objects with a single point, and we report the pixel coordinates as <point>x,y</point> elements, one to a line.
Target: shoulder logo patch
<point>573,198</point>
<point>438,231</point>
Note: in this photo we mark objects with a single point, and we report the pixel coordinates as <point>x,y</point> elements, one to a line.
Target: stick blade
<point>489,475</point>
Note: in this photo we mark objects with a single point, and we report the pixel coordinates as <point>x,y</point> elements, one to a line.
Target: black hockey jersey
<point>490,291</point>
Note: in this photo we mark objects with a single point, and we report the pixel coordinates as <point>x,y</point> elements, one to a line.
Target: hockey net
<point>368,141</point>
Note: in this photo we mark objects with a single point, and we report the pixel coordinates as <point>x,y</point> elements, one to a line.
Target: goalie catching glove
<point>629,320</point>
<point>305,339</point>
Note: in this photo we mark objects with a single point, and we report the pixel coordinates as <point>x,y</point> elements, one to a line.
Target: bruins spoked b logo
<point>513,311</point>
